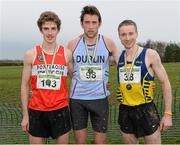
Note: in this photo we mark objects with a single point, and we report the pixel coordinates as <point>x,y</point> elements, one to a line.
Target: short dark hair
<point>48,16</point>
<point>91,10</point>
<point>126,23</point>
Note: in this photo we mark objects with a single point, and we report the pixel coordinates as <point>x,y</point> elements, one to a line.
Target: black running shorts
<point>98,110</point>
<point>49,123</point>
<point>140,120</point>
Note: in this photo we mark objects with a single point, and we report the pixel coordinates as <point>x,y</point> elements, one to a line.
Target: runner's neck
<point>90,41</point>
<point>49,48</point>
<point>130,53</point>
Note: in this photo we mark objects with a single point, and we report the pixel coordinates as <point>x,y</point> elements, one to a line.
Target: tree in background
<point>172,53</point>
<point>157,45</point>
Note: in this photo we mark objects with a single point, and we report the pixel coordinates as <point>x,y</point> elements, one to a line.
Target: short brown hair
<point>48,16</point>
<point>126,23</point>
<point>91,10</point>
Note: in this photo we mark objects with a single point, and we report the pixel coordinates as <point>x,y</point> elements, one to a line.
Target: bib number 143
<point>48,83</point>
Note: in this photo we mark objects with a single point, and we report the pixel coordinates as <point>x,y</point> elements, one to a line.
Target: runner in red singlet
<point>46,112</point>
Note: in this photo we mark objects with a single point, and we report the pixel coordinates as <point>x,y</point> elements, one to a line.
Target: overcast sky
<point>158,20</point>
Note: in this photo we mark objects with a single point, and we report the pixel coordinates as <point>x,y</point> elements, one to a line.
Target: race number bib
<point>91,73</point>
<point>135,76</point>
<point>48,82</point>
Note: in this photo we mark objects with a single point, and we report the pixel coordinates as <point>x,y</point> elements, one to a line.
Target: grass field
<point>10,81</point>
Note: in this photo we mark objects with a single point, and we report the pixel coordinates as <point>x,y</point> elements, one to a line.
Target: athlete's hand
<point>166,122</point>
<point>30,93</point>
<point>108,85</point>
<point>25,124</point>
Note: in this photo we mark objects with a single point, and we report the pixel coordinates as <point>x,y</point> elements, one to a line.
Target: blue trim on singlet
<point>74,88</point>
<point>105,43</point>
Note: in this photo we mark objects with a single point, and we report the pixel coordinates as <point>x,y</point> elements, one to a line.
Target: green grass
<point>10,81</point>
<point>173,71</point>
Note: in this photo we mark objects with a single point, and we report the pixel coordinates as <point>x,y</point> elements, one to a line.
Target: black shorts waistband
<point>137,106</point>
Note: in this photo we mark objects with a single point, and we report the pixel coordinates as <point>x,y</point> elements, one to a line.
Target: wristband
<point>168,113</point>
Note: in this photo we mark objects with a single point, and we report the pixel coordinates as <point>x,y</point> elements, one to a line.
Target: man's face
<point>90,25</point>
<point>49,31</point>
<point>128,36</point>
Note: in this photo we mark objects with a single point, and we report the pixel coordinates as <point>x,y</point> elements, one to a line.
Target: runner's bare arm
<point>26,75</point>
<point>112,49</point>
<point>161,74</point>
<point>69,61</point>
<point>71,46</point>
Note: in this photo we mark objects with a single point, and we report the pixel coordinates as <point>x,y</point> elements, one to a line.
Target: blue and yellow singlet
<point>140,80</point>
